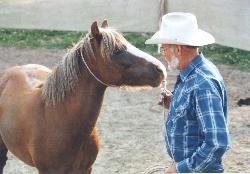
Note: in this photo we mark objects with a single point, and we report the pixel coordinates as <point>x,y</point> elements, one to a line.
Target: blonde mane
<point>65,76</point>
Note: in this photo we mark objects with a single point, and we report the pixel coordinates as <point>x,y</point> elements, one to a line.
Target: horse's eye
<point>120,58</point>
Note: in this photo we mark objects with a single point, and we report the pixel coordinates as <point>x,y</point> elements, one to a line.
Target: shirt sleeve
<point>213,123</point>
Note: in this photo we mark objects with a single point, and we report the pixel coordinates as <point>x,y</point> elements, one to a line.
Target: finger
<point>163,90</point>
<point>166,91</point>
<point>163,93</point>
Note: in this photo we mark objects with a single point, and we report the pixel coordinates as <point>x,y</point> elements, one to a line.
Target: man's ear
<point>179,49</point>
<point>95,32</point>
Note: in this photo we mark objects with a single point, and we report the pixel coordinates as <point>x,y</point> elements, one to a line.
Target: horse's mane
<point>65,76</point>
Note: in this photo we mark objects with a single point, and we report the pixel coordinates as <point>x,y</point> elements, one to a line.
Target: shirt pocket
<point>177,122</point>
<point>180,114</point>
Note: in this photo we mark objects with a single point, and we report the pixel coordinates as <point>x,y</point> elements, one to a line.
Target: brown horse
<point>47,118</point>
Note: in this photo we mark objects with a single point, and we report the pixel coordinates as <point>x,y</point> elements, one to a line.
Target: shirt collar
<point>191,66</point>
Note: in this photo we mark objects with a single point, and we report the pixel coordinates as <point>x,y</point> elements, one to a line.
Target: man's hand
<point>170,170</point>
<point>165,96</point>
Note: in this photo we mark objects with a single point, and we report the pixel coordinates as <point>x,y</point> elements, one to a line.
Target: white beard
<point>173,64</point>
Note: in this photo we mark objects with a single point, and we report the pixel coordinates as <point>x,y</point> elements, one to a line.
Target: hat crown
<point>182,29</point>
<point>179,25</point>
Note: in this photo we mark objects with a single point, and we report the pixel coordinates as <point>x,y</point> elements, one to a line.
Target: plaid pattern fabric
<point>197,130</point>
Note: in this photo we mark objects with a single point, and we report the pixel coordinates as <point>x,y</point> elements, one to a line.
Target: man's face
<point>169,54</point>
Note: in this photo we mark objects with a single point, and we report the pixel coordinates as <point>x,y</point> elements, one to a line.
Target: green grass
<point>24,38</point>
<point>228,55</point>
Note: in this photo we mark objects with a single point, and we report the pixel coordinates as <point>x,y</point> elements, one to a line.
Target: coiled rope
<point>155,168</point>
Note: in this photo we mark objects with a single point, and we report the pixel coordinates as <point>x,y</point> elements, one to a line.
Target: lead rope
<point>162,167</point>
<point>165,121</point>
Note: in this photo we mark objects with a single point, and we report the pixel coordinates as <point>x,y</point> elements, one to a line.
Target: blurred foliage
<point>138,40</point>
<point>24,38</point>
<point>228,55</point>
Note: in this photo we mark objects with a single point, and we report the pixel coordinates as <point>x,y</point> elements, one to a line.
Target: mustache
<point>173,64</point>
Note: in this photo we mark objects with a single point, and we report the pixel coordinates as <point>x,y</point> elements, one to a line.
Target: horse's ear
<point>95,30</point>
<point>105,23</point>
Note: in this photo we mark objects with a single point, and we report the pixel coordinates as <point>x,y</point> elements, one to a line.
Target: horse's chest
<point>68,152</point>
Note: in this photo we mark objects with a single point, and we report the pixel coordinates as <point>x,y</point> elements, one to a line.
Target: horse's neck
<point>81,105</point>
<point>85,102</point>
<point>91,99</point>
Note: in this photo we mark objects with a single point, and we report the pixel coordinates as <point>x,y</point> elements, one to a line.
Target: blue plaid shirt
<point>197,130</point>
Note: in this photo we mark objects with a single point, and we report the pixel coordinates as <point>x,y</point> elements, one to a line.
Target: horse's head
<point>116,62</point>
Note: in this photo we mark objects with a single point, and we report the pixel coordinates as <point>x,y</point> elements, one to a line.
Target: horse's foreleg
<point>3,157</point>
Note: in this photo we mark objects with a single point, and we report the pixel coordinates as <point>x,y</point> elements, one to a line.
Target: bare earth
<point>131,123</point>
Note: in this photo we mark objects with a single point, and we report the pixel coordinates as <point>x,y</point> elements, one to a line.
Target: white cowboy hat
<point>181,29</point>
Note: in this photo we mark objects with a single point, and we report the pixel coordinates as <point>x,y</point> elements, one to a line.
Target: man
<point>196,128</point>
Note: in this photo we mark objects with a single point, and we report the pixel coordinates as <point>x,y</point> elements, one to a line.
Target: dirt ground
<point>131,123</point>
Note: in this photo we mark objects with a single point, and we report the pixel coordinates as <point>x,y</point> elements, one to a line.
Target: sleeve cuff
<point>182,167</point>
